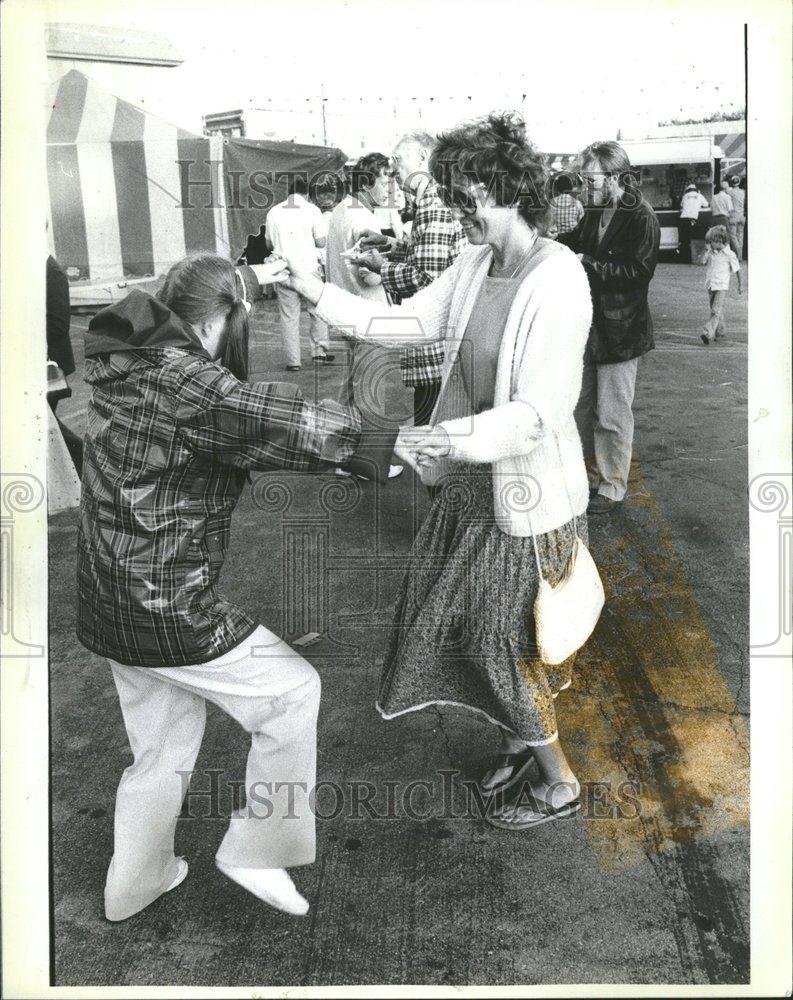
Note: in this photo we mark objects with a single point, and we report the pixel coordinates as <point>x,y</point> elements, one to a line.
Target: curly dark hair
<point>494,151</point>
<point>367,169</point>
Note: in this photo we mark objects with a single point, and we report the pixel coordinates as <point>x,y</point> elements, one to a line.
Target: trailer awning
<point>654,151</point>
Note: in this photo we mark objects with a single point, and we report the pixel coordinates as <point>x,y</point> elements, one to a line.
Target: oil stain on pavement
<point>658,715</point>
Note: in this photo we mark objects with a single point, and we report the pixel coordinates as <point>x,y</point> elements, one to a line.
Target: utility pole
<point>324,121</point>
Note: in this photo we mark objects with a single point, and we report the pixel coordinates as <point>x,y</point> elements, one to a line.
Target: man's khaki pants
<point>289,315</point>
<point>735,228</point>
<point>604,416</point>
<point>274,695</point>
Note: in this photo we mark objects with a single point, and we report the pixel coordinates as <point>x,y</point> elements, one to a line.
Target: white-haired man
<point>434,242</point>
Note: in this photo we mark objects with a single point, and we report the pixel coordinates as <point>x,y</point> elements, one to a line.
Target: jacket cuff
<point>503,432</point>
<point>372,457</point>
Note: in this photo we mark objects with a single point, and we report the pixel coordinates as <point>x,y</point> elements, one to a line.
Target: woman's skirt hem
<point>469,708</point>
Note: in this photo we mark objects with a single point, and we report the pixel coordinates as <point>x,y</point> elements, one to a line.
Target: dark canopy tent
<point>257,173</point>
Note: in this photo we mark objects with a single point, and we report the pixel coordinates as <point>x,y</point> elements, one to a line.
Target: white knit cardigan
<point>530,436</point>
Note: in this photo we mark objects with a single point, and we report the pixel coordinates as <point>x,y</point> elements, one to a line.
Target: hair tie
<point>244,299</point>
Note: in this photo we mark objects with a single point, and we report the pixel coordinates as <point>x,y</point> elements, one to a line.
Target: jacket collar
<point>618,220</point>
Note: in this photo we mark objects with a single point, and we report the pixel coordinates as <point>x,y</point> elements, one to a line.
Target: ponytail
<point>235,345</point>
<point>203,286</point>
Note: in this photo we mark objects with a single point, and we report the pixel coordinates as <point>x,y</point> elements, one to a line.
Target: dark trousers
<point>685,228</point>
<point>424,399</point>
<point>73,444</point>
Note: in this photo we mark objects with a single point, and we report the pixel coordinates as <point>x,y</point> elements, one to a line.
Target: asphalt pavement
<point>649,884</point>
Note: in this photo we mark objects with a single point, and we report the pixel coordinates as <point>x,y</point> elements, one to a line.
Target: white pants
<point>289,313</point>
<point>604,416</point>
<point>274,695</point>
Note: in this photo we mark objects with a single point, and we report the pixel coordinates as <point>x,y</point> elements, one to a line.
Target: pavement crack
<point>445,736</point>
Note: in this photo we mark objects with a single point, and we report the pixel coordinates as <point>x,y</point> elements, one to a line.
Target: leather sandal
<point>520,763</point>
<point>524,817</point>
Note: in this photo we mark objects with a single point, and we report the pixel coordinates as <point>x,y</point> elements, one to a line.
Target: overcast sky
<point>582,74</point>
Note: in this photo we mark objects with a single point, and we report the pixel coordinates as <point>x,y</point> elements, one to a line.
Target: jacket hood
<point>140,322</point>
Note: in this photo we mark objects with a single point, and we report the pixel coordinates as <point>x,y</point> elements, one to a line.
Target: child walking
<point>721,263</point>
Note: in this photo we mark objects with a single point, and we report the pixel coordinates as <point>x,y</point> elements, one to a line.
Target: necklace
<point>520,263</point>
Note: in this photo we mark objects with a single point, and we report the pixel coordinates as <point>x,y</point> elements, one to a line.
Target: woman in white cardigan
<point>503,457</point>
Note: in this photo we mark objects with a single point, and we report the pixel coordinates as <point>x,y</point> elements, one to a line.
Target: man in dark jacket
<point>617,242</point>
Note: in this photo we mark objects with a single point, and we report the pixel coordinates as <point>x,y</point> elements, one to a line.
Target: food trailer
<point>665,168</point>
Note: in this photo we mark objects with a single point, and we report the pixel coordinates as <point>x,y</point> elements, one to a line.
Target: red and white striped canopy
<point>115,184</point>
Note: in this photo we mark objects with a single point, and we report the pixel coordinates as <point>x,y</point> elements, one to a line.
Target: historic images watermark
<point>210,183</point>
<point>444,795</point>
<point>771,495</point>
<point>20,494</point>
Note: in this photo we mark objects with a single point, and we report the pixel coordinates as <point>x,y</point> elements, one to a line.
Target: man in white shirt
<point>691,203</point>
<point>373,380</point>
<point>295,228</point>
<point>721,207</point>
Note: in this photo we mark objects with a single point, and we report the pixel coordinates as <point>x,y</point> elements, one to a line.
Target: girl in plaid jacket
<point>173,429</point>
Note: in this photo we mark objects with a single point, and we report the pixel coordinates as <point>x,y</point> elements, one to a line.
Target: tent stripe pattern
<point>131,194</point>
<point>733,145</point>
<point>118,198</point>
<point>63,171</point>
<point>132,190</point>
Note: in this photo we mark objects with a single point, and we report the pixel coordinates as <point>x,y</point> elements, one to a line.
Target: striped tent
<point>561,162</point>
<point>733,145</point>
<point>116,176</point>
<point>131,194</point>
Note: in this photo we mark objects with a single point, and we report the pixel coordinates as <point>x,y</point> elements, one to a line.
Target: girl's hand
<point>272,272</point>
<point>403,451</point>
<point>428,444</point>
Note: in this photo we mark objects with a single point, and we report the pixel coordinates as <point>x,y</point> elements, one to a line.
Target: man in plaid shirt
<point>433,245</point>
<point>567,209</point>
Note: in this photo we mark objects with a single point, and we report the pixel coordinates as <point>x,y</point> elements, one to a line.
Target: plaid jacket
<point>567,212</point>
<point>171,436</point>
<point>434,243</point>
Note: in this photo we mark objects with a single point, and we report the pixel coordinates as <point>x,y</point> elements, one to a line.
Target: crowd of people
<point>519,306</point>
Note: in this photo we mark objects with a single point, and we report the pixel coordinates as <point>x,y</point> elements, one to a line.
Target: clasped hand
<point>421,446</point>
<point>292,272</point>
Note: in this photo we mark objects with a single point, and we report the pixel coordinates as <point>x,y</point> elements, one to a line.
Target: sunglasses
<point>589,176</point>
<point>454,197</point>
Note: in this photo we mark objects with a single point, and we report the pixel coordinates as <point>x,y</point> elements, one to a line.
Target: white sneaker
<point>117,910</point>
<point>271,885</point>
<point>393,472</point>
<point>181,874</point>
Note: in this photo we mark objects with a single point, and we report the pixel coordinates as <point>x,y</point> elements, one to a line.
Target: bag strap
<point>572,510</point>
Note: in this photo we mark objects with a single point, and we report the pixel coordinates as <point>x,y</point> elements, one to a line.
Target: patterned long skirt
<point>463,633</point>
